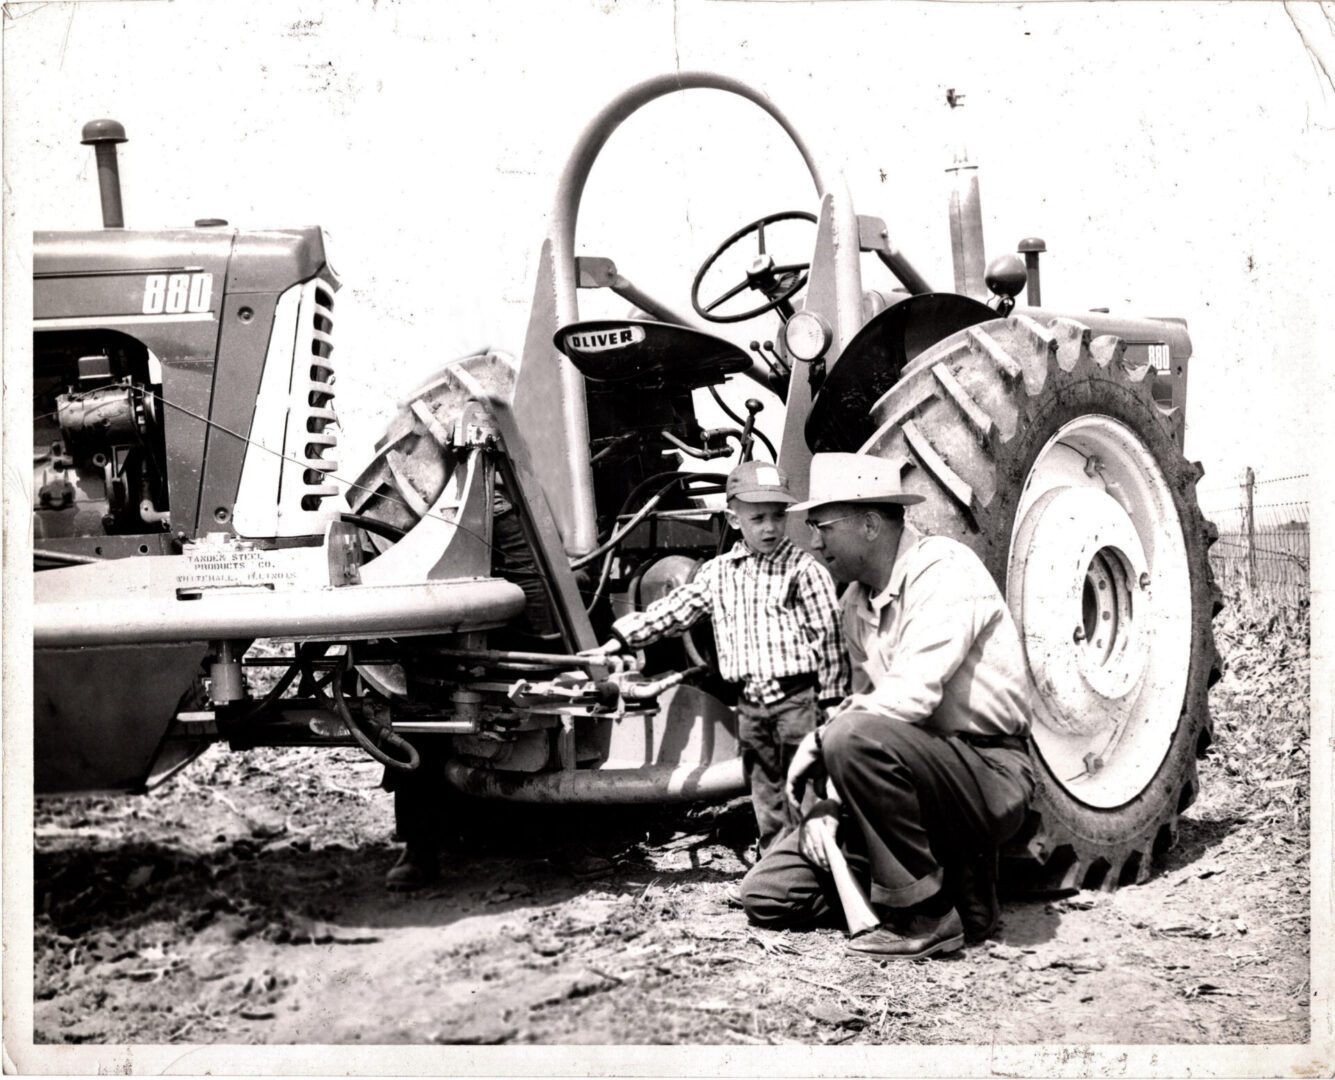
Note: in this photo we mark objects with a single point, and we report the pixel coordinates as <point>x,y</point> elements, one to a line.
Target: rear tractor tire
<point>1045,453</point>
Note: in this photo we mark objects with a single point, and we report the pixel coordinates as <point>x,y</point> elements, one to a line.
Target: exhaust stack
<point>103,135</point>
<point>966,213</point>
<point>1030,247</point>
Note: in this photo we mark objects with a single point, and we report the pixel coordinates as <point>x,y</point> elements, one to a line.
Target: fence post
<point>1251,532</point>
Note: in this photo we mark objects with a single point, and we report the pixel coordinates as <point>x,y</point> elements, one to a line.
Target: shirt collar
<point>872,606</point>
<point>739,550</point>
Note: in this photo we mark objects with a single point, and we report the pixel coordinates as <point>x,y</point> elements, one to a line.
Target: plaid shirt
<point>774,615</point>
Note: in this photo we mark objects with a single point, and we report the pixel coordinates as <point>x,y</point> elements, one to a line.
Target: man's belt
<point>994,742</point>
<point>788,685</point>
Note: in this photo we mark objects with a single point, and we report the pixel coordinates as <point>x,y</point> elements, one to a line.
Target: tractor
<point>435,607</point>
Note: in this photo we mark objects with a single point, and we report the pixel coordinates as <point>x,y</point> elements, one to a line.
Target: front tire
<point>1043,451</point>
<point>415,458</point>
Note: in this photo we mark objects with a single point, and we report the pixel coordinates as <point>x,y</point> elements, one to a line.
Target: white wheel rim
<point>1100,589</point>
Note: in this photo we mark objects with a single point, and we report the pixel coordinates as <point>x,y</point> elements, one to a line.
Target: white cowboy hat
<point>855,478</point>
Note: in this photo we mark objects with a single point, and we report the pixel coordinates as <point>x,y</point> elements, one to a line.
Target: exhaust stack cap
<point>103,135</point>
<point>103,131</point>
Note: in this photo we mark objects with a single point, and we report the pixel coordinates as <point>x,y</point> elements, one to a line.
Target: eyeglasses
<point>817,526</point>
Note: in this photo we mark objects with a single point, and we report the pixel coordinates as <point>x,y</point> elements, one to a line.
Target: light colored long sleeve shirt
<point>937,647</point>
<point>774,615</point>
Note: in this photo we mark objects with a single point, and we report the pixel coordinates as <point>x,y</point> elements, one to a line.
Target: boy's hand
<point>805,759</point>
<point>607,648</point>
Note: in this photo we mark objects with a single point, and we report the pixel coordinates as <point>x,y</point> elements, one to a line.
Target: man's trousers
<point>916,804</point>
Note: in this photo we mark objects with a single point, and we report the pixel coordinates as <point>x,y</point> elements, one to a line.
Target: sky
<point>1176,158</point>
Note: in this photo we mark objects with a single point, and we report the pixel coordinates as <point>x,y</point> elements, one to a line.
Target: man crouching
<point>927,760</point>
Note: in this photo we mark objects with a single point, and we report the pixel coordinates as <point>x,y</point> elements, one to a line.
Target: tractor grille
<point>287,475</point>
<point>310,438</point>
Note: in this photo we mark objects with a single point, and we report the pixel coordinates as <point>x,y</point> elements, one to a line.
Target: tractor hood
<point>265,261</point>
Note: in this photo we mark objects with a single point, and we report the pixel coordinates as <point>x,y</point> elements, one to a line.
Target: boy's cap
<point>759,482</point>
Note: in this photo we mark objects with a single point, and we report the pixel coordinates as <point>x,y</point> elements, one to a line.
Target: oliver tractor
<point>433,608</point>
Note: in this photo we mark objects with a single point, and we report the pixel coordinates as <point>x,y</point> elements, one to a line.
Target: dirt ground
<point>242,903</point>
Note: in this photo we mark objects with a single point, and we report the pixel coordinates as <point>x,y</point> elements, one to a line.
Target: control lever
<point>778,369</point>
<point>749,429</point>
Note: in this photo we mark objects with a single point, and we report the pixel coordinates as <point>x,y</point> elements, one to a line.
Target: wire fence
<point>1264,550</point>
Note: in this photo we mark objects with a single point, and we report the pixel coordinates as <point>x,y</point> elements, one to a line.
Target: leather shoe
<point>918,937</point>
<point>417,866</point>
<point>976,897</point>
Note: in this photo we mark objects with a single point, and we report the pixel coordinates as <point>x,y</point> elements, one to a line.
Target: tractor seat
<point>649,353</point>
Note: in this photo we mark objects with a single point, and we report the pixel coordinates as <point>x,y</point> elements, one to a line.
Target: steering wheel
<point>778,283</point>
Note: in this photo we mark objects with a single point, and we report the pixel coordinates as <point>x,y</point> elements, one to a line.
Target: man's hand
<point>805,758</point>
<point>823,821</point>
<point>607,648</point>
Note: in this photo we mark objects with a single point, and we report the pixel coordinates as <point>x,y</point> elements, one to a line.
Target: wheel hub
<point>1078,555</point>
<point>1099,587</point>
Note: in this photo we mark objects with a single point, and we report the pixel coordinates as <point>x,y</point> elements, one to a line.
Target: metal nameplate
<point>233,567</point>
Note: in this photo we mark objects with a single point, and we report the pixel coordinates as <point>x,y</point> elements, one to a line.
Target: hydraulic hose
<point>299,663</point>
<point>371,525</point>
<point>312,684</point>
<point>677,476</point>
<point>384,736</point>
<point>608,548</point>
<point>619,534</point>
<point>603,578</point>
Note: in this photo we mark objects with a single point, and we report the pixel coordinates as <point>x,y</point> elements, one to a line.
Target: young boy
<point>777,629</point>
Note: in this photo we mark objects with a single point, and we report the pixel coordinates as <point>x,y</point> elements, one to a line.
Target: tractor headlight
<point>807,336</point>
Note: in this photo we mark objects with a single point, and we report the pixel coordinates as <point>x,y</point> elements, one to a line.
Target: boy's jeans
<point>769,735</point>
